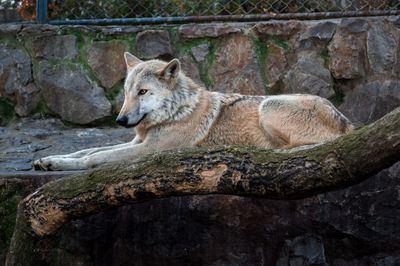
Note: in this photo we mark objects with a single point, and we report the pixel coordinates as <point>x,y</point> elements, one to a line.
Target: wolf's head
<point>151,91</point>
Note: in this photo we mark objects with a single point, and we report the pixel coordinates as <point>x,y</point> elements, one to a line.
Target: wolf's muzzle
<point>127,121</point>
<point>122,121</point>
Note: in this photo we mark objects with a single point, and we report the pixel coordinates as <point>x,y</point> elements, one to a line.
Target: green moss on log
<point>96,180</point>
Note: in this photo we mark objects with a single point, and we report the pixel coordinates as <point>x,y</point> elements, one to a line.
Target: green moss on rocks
<point>7,112</point>
<point>208,63</point>
<point>43,111</point>
<point>339,95</point>
<point>185,48</point>
<point>10,42</point>
<point>326,58</point>
<point>279,42</point>
<point>261,48</point>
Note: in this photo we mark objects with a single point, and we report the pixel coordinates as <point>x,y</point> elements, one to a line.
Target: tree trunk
<point>254,172</point>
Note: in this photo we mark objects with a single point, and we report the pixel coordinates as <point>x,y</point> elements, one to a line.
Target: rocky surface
<point>106,59</point>
<point>200,52</point>
<point>16,81</point>
<point>28,139</point>
<point>347,50</point>
<point>152,44</point>
<point>330,58</point>
<point>55,47</point>
<point>275,65</point>
<point>196,31</point>
<point>371,101</point>
<point>309,76</point>
<point>190,69</point>
<point>320,32</point>
<point>236,68</point>
<point>69,93</point>
<point>382,46</point>
<point>281,29</point>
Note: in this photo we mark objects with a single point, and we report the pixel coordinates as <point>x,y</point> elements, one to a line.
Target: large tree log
<point>272,174</point>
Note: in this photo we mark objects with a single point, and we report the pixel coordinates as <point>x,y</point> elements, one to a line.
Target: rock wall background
<point>76,73</point>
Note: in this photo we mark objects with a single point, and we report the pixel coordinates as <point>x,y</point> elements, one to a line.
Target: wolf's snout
<point>122,121</point>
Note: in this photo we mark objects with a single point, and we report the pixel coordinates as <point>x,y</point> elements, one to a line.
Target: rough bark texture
<point>234,171</point>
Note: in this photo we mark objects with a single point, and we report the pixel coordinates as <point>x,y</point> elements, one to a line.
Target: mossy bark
<point>271,174</point>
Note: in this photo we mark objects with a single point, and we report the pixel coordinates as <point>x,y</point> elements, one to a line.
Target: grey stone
<point>322,31</point>
<point>309,249</point>
<point>190,69</point>
<point>153,44</point>
<point>275,28</point>
<point>106,58</point>
<point>369,102</point>
<point>354,25</point>
<point>200,52</point>
<point>55,47</point>
<point>213,30</point>
<point>16,80</point>
<point>27,148</point>
<point>275,65</point>
<point>27,99</point>
<point>309,76</point>
<point>16,166</point>
<point>388,261</point>
<point>117,30</point>
<point>396,22</point>
<point>27,139</point>
<point>119,100</point>
<point>236,69</point>
<point>32,30</point>
<point>10,29</point>
<point>69,93</point>
<point>381,48</point>
<point>347,55</point>
<point>15,70</point>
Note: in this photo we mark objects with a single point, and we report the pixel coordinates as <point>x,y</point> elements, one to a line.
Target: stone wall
<point>76,73</point>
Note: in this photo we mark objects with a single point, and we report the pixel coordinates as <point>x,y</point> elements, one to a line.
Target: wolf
<point>169,111</point>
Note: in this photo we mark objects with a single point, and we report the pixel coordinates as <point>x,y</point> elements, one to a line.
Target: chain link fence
<point>67,10</point>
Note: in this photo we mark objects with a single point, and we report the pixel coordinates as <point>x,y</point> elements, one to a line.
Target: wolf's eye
<point>142,92</point>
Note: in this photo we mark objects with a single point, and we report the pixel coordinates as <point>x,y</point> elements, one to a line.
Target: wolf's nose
<point>122,121</point>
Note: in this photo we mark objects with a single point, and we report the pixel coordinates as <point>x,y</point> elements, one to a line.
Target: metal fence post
<point>41,11</point>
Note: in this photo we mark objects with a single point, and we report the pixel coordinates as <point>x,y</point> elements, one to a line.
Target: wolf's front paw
<point>57,163</point>
<point>44,164</point>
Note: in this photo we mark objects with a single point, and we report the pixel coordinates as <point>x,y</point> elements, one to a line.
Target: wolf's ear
<point>171,70</point>
<point>131,60</point>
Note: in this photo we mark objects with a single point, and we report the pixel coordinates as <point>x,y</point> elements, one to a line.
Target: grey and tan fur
<point>169,111</point>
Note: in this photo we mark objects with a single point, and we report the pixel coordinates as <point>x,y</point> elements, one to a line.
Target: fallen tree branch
<point>251,172</point>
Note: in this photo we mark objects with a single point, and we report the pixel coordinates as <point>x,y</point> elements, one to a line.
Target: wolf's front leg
<point>86,152</point>
<point>56,163</point>
<point>73,159</point>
